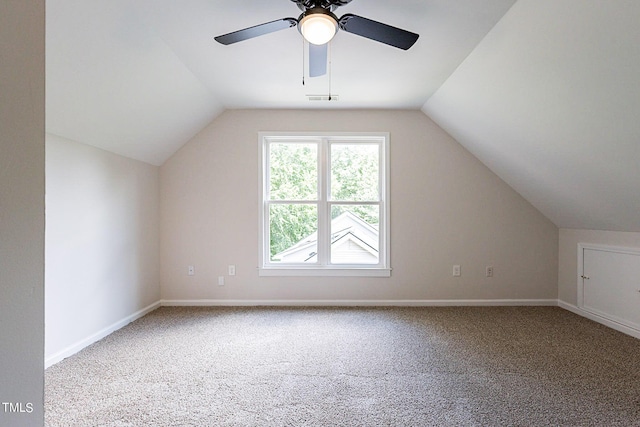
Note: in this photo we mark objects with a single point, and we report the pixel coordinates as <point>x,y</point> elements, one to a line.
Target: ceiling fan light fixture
<point>318,26</point>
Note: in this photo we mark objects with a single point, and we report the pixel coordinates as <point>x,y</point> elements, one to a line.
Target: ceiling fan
<point>318,25</point>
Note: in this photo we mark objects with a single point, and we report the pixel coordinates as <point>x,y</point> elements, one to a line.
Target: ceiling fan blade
<point>317,60</point>
<point>378,31</point>
<point>257,30</point>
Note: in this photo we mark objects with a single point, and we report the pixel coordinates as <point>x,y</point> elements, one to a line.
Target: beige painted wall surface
<point>568,255</point>
<point>22,121</point>
<point>446,208</point>
<point>102,241</point>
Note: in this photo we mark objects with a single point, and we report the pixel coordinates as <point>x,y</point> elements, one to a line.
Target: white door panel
<point>611,284</point>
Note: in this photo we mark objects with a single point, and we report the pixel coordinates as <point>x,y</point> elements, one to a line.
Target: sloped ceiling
<point>141,77</point>
<point>550,101</point>
<point>544,92</point>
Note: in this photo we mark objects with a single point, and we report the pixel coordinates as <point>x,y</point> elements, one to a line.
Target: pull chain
<point>329,48</point>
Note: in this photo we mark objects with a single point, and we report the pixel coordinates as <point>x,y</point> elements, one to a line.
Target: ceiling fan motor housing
<point>330,5</point>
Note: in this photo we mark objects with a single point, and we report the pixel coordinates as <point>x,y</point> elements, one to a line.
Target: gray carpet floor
<point>453,366</point>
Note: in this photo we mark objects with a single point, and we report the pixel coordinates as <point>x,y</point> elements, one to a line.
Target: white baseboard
<point>599,319</point>
<point>358,303</point>
<point>74,348</point>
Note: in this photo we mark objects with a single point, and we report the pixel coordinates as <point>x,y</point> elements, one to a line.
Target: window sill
<point>324,272</point>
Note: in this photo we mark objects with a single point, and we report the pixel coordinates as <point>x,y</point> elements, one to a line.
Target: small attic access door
<point>609,283</point>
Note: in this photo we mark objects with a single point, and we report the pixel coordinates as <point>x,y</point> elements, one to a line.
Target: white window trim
<point>383,268</point>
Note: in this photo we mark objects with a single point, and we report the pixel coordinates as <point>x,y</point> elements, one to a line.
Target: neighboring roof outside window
<point>353,241</point>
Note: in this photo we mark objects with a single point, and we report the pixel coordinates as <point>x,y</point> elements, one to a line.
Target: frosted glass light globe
<point>318,28</point>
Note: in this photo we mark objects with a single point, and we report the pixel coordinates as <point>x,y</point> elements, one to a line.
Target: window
<point>324,204</point>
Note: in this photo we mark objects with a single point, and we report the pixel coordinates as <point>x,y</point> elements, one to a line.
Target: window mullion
<point>324,217</point>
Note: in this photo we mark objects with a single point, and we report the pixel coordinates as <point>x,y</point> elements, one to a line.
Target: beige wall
<point>22,211</point>
<point>568,255</point>
<point>446,208</point>
<point>102,243</point>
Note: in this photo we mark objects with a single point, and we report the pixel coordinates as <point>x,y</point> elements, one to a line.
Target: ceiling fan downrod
<point>330,5</point>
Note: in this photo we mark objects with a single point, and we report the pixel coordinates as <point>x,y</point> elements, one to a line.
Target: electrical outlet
<point>191,271</point>
<point>489,271</point>
<point>220,280</point>
<point>232,270</point>
<point>456,271</point>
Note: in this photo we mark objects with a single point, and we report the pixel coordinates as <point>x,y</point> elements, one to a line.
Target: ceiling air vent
<point>323,97</point>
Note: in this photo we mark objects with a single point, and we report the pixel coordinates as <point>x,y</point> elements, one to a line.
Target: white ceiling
<point>550,101</point>
<point>141,77</point>
<point>546,93</point>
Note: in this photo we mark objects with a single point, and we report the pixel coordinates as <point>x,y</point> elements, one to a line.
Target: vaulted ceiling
<point>550,101</point>
<point>141,77</point>
<point>544,92</point>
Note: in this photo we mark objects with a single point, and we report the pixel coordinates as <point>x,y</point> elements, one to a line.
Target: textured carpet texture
<point>454,366</point>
